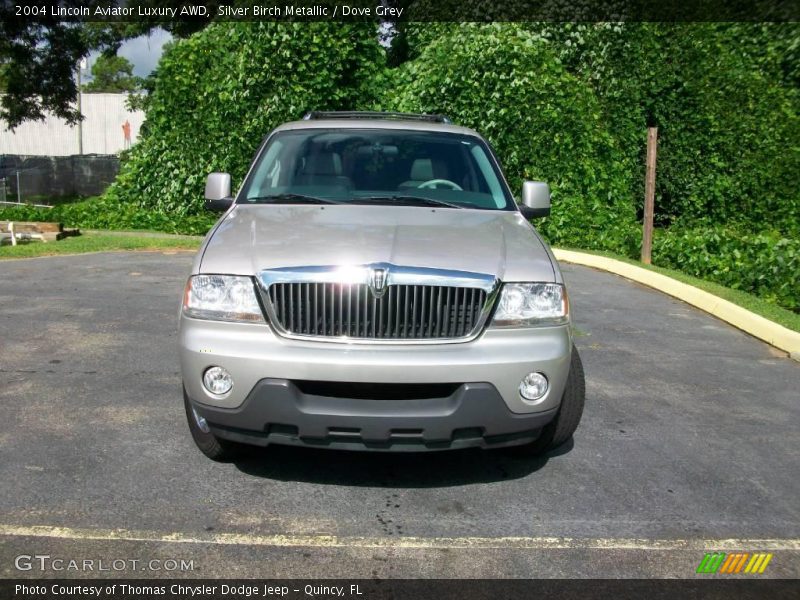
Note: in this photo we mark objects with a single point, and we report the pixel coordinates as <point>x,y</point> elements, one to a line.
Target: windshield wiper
<point>404,200</point>
<point>292,199</point>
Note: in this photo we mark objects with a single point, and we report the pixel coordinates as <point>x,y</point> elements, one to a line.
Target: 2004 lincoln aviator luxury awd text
<point>373,285</point>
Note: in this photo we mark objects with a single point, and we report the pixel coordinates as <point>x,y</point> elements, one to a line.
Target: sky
<point>143,52</point>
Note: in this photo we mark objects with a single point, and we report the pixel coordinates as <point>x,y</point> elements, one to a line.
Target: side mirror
<point>218,192</point>
<point>535,199</point>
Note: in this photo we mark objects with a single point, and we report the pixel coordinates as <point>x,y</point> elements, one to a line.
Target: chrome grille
<point>403,312</point>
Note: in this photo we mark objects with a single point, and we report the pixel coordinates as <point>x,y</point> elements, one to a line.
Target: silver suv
<point>374,285</point>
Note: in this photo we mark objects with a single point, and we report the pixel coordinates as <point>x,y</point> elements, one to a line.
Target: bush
<point>723,99</point>
<point>219,92</point>
<point>110,214</point>
<point>762,263</point>
<point>544,123</point>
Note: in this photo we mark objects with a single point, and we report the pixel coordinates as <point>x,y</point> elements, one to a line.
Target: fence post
<point>649,194</point>
<point>80,109</point>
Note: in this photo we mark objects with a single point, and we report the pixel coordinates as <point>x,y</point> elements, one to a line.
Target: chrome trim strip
<point>396,275</point>
<point>360,274</point>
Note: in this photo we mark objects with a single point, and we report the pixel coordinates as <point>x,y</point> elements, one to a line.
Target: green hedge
<point>220,91</point>
<point>107,213</point>
<point>725,100</point>
<point>544,123</point>
<point>762,263</point>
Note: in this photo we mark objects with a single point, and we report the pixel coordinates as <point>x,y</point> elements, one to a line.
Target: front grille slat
<point>403,312</point>
<point>462,324</point>
<point>398,299</point>
<point>372,314</point>
<point>431,312</point>
<point>386,315</point>
<point>291,308</point>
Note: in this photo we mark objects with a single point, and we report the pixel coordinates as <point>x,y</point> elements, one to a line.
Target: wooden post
<point>649,194</point>
<point>80,111</point>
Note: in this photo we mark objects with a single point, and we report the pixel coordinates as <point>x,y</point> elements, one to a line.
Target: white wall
<point>103,115</point>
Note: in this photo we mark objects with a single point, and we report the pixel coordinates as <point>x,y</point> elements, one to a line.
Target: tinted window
<point>349,165</point>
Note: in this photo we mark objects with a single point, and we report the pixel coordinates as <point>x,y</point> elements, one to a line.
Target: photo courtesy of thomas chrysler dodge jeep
<point>373,285</point>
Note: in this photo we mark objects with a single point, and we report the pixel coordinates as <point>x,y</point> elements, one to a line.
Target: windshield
<point>377,166</point>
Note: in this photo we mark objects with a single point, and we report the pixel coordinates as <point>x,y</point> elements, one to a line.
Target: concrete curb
<point>757,326</point>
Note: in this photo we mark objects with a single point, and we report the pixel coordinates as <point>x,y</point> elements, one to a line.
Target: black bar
<point>398,589</point>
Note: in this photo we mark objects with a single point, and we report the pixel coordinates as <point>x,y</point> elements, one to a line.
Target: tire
<point>560,429</point>
<point>213,447</point>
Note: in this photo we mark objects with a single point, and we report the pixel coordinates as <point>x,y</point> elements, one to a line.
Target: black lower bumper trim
<point>277,412</point>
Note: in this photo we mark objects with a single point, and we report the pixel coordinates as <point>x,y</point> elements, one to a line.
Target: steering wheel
<point>434,183</point>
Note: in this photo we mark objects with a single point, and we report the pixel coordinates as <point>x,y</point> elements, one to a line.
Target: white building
<point>104,115</point>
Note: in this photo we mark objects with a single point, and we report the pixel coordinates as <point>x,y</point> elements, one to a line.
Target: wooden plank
<point>649,194</point>
<point>32,226</point>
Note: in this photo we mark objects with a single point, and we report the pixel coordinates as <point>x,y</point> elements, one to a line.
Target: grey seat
<point>425,169</point>
<point>322,169</point>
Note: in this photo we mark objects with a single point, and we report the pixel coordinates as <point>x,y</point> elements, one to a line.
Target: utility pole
<point>81,67</point>
<point>649,194</point>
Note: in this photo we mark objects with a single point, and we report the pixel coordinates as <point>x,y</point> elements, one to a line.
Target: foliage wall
<point>544,123</point>
<point>568,103</point>
<point>724,96</point>
<point>219,92</point>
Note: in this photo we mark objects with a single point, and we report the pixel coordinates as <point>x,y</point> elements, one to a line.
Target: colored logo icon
<point>737,562</point>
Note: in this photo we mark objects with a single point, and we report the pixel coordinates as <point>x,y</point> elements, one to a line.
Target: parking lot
<point>689,443</point>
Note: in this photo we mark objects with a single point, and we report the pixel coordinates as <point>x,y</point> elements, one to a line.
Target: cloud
<point>144,52</point>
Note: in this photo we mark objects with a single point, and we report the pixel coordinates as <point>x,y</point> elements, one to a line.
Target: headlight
<point>530,304</point>
<point>221,298</point>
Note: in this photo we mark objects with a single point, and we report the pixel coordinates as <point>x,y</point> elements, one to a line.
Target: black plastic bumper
<point>277,412</point>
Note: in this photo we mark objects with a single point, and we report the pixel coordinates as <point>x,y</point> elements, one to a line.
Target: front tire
<point>566,421</point>
<point>213,447</point>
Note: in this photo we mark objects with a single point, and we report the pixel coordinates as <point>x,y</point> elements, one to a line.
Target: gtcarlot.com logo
<point>46,562</point>
<point>737,562</point>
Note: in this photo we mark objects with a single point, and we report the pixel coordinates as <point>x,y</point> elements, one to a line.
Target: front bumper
<point>487,372</point>
<point>277,412</point>
<point>252,352</point>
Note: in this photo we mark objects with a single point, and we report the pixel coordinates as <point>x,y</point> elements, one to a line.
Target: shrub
<point>219,92</point>
<point>544,123</point>
<point>109,214</point>
<point>723,99</point>
<point>762,263</point>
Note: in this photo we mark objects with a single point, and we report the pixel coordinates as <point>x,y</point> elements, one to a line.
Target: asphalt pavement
<point>689,444</point>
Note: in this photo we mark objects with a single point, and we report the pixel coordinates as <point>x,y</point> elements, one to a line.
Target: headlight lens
<point>530,304</point>
<point>221,298</point>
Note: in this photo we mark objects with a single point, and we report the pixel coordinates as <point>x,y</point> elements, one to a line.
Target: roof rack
<point>364,114</point>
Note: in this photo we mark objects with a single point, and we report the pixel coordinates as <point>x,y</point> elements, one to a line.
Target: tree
<point>39,60</point>
<point>39,54</point>
<point>216,94</point>
<point>544,122</point>
<point>113,74</point>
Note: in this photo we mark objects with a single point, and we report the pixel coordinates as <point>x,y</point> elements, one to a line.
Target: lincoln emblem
<point>377,282</point>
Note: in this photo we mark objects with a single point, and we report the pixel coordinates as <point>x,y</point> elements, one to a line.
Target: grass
<point>48,200</point>
<point>99,242</point>
<point>781,316</point>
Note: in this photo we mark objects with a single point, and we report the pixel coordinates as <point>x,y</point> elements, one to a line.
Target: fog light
<point>533,386</point>
<point>217,381</point>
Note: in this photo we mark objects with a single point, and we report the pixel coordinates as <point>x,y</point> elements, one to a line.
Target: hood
<point>252,238</point>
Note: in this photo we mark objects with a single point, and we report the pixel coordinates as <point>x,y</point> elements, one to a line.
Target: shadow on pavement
<point>386,469</point>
